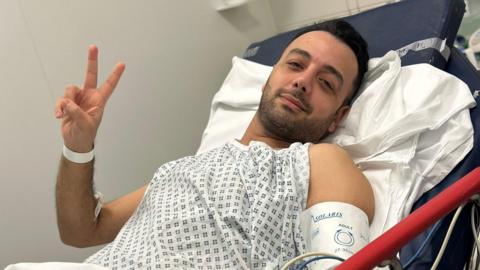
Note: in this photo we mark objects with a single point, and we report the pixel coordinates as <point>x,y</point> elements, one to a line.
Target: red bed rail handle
<point>389,243</point>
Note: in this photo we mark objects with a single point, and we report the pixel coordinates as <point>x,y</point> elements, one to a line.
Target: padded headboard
<point>423,31</point>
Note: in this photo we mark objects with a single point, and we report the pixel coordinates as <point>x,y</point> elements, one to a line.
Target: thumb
<point>74,112</point>
<point>94,110</point>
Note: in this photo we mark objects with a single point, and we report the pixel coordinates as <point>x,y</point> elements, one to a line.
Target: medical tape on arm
<point>337,228</point>
<point>99,198</point>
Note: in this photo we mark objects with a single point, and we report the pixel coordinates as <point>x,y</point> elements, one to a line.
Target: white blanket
<point>407,129</point>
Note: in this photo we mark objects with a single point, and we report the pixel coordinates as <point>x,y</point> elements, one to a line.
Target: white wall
<point>177,54</point>
<point>289,14</point>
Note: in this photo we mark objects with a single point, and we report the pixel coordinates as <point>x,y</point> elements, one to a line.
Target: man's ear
<point>341,113</point>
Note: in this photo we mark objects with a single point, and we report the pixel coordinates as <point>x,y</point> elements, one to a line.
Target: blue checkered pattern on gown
<point>234,207</point>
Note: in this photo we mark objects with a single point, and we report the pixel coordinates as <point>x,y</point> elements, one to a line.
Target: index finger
<point>92,68</point>
<point>109,85</point>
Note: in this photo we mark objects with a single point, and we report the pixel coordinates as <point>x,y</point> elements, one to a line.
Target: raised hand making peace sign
<point>81,109</point>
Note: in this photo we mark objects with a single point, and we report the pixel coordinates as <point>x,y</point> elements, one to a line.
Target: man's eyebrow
<point>301,52</point>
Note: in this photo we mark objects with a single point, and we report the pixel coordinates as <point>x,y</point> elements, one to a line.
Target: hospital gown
<point>235,206</point>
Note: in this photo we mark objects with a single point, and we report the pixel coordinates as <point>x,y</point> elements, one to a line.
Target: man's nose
<point>301,83</point>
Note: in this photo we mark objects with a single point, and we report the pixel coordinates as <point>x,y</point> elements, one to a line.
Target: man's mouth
<point>293,102</point>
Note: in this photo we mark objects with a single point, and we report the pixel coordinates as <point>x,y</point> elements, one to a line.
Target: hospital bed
<point>421,31</point>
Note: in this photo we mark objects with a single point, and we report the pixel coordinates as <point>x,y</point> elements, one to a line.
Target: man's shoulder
<point>331,161</point>
<point>333,172</point>
<point>323,149</point>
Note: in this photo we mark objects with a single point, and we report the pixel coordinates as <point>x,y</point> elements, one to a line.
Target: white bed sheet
<point>407,129</point>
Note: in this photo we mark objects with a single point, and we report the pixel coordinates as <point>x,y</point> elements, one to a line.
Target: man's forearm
<point>75,202</point>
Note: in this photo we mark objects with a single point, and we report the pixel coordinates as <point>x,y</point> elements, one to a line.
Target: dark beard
<point>287,125</point>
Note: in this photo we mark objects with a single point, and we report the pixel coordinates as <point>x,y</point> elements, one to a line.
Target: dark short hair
<point>345,32</point>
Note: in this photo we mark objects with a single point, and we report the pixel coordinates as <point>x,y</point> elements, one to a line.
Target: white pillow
<point>407,130</point>
<point>400,132</point>
<point>236,102</point>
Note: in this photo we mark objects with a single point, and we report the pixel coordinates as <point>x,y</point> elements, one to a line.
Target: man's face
<point>303,98</point>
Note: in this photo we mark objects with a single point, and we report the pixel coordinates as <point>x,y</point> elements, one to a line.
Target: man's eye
<point>326,83</point>
<point>294,65</point>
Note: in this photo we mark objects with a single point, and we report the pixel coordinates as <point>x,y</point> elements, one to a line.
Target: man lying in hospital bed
<point>242,204</point>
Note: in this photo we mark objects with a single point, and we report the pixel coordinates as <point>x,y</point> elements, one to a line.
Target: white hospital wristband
<point>77,157</point>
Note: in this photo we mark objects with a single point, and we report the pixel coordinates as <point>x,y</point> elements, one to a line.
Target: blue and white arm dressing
<point>335,228</point>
